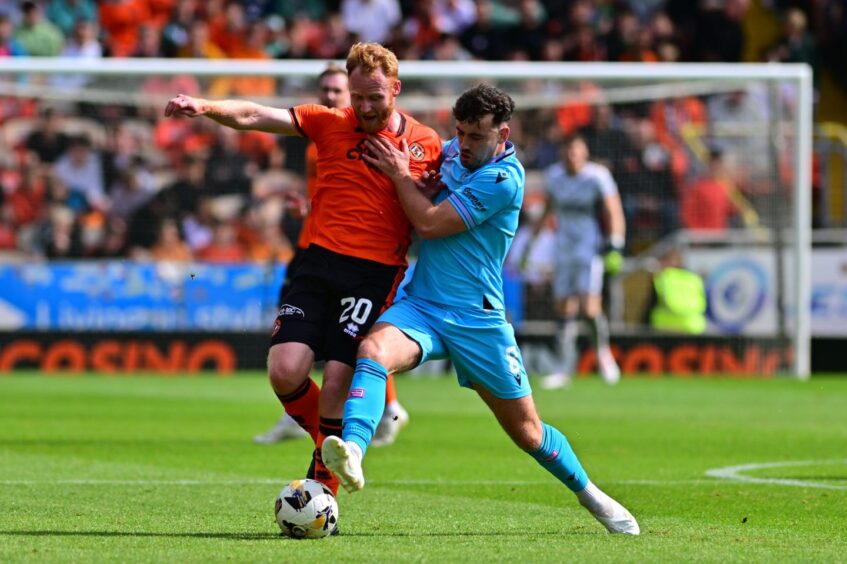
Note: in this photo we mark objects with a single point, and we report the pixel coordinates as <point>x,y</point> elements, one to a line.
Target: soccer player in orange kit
<point>333,92</point>
<point>357,255</point>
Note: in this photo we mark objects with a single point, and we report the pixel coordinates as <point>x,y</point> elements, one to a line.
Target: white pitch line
<point>273,481</point>
<point>734,473</point>
<point>731,473</point>
<point>84,482</point>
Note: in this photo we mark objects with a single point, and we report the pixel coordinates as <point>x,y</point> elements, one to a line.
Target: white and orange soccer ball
<point>306,509</point>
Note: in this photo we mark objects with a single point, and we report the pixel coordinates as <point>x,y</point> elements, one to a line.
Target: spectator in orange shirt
<point>169,245</point>
<point>26,201</point>
<point>270,245</point>
<point>199,45</point>
<point>229,29</point>
<point>253,47</point>
<point>712,200</point>
<point>160,12</point>
<point>224,247</point>
<point>121,20</point>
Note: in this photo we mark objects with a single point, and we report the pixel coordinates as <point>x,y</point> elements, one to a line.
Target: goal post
<point>541,91</point>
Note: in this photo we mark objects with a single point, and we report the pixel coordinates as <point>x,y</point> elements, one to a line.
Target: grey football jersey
<point>576,200</point>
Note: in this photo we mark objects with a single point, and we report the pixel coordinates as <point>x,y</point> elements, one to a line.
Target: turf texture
<point>149,468</point>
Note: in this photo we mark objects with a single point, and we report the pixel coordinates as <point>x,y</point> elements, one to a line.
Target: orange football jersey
<point>355,209</point>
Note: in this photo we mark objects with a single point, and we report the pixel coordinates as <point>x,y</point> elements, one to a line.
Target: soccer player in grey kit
<point>590,237</point>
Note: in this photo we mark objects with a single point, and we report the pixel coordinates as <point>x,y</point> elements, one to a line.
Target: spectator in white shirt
<point>81,170</point>
<point>370,20</point>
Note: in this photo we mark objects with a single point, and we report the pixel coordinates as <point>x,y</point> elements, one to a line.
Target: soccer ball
<point>306,509</point>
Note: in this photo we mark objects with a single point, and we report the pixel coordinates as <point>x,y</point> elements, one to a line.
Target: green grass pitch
<point>163,469</point>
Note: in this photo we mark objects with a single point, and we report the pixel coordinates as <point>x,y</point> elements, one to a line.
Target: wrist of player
<point>613,257</point>
<point>403,177</point>
<point>616,243</point>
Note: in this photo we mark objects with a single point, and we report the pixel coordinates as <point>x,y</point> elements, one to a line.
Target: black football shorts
<point>332,302</point>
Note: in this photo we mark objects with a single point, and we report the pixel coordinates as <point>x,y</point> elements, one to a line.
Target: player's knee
<point>528,437</point>
<point>528,443</point>
<point>371,348</point>
<point>284,373</point>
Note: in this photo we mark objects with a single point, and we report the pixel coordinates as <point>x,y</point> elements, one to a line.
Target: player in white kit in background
<point>590,237</point>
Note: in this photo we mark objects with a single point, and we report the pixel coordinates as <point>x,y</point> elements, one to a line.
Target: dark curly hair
<point>483,99</point>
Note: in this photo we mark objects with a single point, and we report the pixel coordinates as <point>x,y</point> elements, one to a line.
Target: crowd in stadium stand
<point>150,188</point>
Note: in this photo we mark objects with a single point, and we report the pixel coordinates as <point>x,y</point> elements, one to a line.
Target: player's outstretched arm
<point>431,221</point>
<point>237,114</point>
<point>613,211</point>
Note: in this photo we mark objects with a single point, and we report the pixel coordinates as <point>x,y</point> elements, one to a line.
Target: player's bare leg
<point>316,410</point>
<point>550,448</point>
<point>289,365</point>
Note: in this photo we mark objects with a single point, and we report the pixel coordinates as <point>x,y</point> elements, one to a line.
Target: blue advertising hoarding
<point>129,296</point>
<point>132,296</point>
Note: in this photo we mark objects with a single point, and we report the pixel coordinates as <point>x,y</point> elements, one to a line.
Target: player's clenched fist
<point>184,105</point>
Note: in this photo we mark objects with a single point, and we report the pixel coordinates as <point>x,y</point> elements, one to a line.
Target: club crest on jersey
<point>416,151</point>
<point>289,311</point>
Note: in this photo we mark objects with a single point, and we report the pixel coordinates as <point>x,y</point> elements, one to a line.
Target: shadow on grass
<point>273,536</point>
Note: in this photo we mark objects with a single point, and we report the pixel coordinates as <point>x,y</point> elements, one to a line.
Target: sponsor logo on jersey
<point>416,151</point>
<point>291,311</point>
<point>357,153</point>
<point>352,329</point>
<point>475,202</point>
<point>501,176</point>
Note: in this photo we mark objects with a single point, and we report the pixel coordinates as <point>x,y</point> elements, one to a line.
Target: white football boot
<point>394,419</point>
<point>345,461</point>
<point>556,381</point>
<point>285,428</point>
<point>607,366</point>
<point>609,512</point>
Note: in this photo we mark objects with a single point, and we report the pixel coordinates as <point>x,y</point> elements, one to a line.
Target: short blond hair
<point>372,57</point>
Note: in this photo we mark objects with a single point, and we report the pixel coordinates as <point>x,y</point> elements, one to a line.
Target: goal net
<point>712,163</point>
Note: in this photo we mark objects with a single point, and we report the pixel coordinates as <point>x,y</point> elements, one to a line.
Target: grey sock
<point>600,331</point>
<point>568,353</point>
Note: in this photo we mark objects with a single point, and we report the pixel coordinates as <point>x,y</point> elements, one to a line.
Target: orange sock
<point>317,471</point>
<point>390,390</point>
<point>302,406</point>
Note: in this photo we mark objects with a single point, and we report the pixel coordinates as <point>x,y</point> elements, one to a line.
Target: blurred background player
<point>588,243</point>
<point>333,92</point>
<point>455,305</point>
<point>356,259</point>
